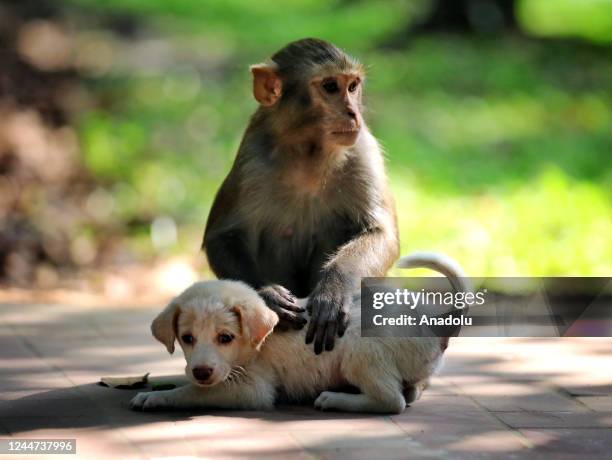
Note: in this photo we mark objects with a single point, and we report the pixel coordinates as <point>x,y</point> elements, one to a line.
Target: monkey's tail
<point>440,263</point>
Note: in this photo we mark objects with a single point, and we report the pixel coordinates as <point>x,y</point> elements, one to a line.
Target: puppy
<point>233,362</point>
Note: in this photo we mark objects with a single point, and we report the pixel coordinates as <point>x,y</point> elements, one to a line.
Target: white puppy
<point>224,330</point>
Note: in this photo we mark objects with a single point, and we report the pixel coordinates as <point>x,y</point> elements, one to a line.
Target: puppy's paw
<point>149,401</point>
<point>326,400</point>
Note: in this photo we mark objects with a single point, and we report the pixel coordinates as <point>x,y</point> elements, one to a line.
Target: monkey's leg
<point>229,257</point>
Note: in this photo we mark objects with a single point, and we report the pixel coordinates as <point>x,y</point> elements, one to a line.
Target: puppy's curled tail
<point>440,263</point>
<point>444,265</point>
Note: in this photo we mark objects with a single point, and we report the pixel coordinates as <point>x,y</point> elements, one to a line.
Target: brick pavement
<point>495,398</point>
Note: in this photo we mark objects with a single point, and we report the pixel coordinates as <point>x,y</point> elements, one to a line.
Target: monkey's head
<point>312,89</point>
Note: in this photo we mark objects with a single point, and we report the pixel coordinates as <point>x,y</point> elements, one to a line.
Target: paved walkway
<point>514,398</point>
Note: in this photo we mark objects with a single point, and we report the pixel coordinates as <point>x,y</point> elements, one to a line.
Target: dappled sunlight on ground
<point>518,397</point>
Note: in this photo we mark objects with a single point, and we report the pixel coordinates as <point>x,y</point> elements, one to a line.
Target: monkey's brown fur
<point>305,209</point>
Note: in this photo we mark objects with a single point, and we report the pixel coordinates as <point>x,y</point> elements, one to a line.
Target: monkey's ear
<point>256,322</point>
<point>267,85</point>
<point>164,326</point>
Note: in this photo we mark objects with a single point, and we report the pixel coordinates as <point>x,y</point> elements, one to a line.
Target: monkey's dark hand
<point>328,306</point>
<point>285,305</point>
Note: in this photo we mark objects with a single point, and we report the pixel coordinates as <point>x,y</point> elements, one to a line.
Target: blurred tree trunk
<point>469,16</point>
<point>461,16</point>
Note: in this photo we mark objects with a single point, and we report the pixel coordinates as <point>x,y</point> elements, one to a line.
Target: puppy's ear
<point>164,326</point>
<point>256,322</point>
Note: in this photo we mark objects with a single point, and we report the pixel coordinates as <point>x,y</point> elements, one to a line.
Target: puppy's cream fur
<point>252,370</point>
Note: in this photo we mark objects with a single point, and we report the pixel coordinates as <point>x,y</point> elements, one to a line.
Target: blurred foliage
<point>590,19</point>
<point>498,146</point>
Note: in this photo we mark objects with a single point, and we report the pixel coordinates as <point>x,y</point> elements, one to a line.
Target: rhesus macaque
<point>305,209</point>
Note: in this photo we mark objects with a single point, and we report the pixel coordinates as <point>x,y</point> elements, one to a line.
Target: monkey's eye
<point>330,86</point>
<point>187,339</point>
<point>224,338</point>
<point>352,87</point>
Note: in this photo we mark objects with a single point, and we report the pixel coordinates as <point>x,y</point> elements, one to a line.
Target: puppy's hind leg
<point>379,383</point>
<point>331,400</point>
<point>413,391</point>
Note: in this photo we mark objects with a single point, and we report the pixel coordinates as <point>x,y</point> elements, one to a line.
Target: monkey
<point>306,208</point>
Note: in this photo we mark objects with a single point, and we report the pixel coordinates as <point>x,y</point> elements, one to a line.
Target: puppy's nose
<point>202,373</point>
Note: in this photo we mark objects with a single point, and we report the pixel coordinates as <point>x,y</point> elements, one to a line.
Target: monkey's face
<point>337,97</point>
<point>312,91</point>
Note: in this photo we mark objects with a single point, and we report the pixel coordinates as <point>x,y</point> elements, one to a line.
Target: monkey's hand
<point>329,308</point>
<point>285,305</point>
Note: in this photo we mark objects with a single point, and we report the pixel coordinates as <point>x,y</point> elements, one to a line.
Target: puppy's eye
<point>352,87</point>
<point>188,339</point>
<point>330,86</point>
<point>225,338</point>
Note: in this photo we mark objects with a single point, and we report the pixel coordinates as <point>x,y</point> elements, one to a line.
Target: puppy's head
<point>219,326</point>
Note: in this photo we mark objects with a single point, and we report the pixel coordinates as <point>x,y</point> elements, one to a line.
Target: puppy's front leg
<point>176,398</point>
<point>255,394</point>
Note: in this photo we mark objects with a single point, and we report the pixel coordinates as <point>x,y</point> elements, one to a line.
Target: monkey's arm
<point>370,253</point>
<point>229,257</point>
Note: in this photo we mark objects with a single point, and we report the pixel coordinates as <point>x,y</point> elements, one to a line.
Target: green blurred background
<point>120,118</point>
